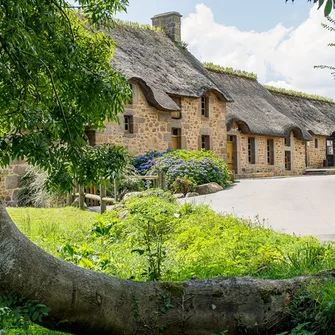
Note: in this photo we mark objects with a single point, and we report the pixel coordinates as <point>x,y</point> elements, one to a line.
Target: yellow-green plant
<point>230,70</point>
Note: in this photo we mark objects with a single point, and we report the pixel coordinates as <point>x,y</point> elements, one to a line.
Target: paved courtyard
<point>301,205</point>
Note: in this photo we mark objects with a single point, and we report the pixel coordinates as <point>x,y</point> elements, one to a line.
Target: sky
<point>279,42</point>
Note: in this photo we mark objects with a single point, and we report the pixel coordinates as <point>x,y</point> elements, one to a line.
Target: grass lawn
<point>48,227</point>
<point>185,240</point>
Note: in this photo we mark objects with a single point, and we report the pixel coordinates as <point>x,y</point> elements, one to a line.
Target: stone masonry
<point>261,168</point>
<point>316,155</point>
<point>152,129</point>
<point>10,182</point>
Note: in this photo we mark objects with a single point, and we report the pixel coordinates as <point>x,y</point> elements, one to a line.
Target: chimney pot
<point>170,22</point>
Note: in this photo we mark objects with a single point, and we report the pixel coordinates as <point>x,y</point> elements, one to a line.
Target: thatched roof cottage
<point>317,116</point>
<point>176,104</point>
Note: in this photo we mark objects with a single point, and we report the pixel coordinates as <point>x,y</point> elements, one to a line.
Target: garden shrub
<point>199,167</point>
<point>143,163</point>
<point>313,310</point>
<point>157,193</point>
<point>33,191</point>
<point>196,241</point>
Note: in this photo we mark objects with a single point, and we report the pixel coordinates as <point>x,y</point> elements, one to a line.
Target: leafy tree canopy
<point>55,80</point>
<point>329,5</point>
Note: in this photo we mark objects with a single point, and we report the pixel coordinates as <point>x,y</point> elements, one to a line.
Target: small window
<point>128,124</point>
<point>288,141</point>
<point>205,106</point>
<point>176,138</point>
<point>330,147</point>
<point>251,150</point>
<point>316,143</point>
<point>288,161</point>
<point>270,152</point>
<point>205,142</point>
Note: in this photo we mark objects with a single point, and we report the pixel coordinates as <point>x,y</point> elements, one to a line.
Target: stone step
<point>316,172</point>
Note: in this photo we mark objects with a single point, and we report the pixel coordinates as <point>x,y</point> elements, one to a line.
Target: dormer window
<point>204,106</point>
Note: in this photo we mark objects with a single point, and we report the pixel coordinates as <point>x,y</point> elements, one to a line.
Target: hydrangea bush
<point>143,163</point>
<point>200,167</point>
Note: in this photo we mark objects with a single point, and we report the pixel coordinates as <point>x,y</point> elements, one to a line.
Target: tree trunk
<point>84,302</point>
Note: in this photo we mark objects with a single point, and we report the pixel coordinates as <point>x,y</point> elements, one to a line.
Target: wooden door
<point>176,139</point>
<point>230,153</point>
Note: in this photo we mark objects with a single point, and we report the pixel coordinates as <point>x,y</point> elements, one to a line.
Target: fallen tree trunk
<point>84,302</point>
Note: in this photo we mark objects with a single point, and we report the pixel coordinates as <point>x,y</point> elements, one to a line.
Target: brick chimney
<point>170,22</point>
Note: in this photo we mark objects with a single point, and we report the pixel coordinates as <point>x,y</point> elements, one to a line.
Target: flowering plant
<point>200,167</point>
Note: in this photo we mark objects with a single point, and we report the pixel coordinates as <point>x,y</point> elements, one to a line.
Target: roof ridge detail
<point>137,25</point>
<point>229,70</point>
<point>298,94</point>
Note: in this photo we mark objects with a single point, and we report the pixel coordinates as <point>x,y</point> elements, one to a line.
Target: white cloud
<point>283,57</point>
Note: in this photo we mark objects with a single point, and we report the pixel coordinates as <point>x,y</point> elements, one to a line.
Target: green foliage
<point>298,94</point>
<point>182,44</point>
<point>158,238</point>
<point>194,167</point>
<point>56,79</point>
<point>33,190</point>
<point>157,193</point>
<point>51,227</point>
<point>17,316</point>
<point>330,27</point>
<point>147,228</point>
<point>313,309</point>
<point>329,5</point>
<point>229,70</point>
<point>137,25</point>
<point>183,185</point>
<point>99,163</point>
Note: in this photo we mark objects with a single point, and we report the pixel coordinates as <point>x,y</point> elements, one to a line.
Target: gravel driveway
<point>301,205</point>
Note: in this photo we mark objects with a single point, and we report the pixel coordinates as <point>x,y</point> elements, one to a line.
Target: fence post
<point>103,193</point>
<point>81,197</point>
<point>116,189</point>
<point>161,180</point>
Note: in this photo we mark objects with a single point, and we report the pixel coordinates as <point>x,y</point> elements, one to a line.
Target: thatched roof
<point>160,66</point>
<point>318,117</point>
<point>253,108</point>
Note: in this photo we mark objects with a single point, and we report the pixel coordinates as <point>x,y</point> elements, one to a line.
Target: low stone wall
<point>10,182</point>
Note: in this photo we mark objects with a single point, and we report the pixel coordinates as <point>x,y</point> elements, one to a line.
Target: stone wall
<point>316,156</point>
<point>152,129</point>
<point>10,182</point>
<point>261,168</point>
<point>298,156</point>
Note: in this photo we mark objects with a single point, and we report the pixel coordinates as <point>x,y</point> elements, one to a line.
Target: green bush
<point>33,192</point>
<point>17,316</point>
<point>199,242</point>
<point>200,167</point>
<point>313,310</point>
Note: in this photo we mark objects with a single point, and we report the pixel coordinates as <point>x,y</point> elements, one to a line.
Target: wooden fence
<point>97,196</point>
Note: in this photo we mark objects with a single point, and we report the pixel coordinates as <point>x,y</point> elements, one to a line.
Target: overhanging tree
<point>329,5</point>
<point>55,80</point>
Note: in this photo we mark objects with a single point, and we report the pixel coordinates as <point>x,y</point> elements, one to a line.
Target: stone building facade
<point>316,152</point>
<point>155,130</point>
<point>10,182</point>
<point>271,155</point>
<point>180,104</point>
